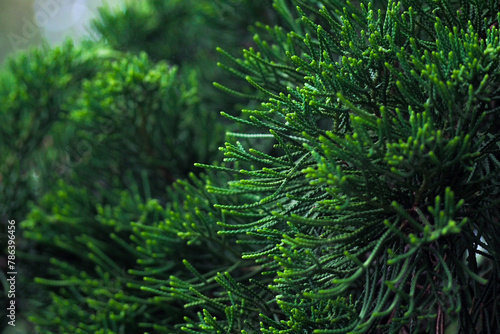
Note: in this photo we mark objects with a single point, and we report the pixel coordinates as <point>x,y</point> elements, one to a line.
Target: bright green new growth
<point>360,197</point>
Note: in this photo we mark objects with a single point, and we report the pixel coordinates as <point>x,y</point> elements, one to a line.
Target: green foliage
<point>115,265</point>
<point>186,33</point>
<point>360,197</point>
<point>105,120</point>
<point>36,89</point>
<point>388,126</point>
<point>138,115</point>
<point>171,29</point>
<point>83,114</point>
<point>87,275</point>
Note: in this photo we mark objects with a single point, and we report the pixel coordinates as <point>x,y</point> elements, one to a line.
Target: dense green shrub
<point>360,197</point>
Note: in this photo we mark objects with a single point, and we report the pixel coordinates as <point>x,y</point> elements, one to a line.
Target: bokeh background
<point>183,33</point>
<point>27,23</point>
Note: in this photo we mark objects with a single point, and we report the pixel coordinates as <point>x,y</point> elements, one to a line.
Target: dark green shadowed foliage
<point>117,279</point>
<point>186,33</point>
<point>360,196</point>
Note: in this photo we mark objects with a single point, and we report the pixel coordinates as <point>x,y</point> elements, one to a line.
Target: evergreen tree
<point>361,196</point>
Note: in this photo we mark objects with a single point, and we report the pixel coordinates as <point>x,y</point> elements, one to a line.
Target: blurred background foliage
<point>96,126</point>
